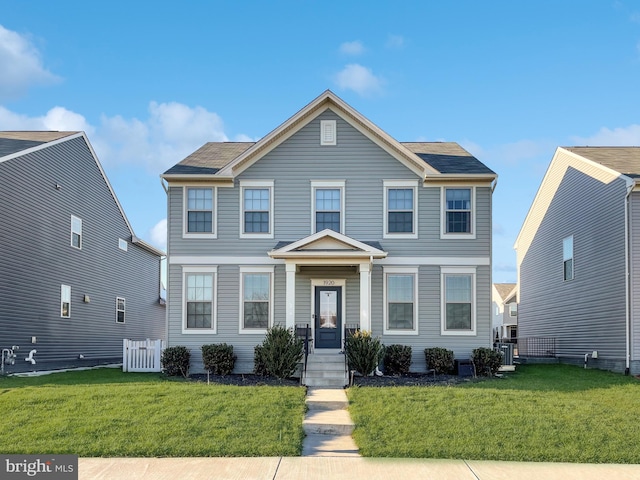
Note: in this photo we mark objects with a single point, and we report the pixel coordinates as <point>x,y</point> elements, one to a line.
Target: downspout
<point>627,277</point>
<point>164,187</point>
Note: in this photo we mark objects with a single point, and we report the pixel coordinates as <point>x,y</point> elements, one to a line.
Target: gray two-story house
<point>328,221</point>
<point>74,278</point>
<point>578,257</point>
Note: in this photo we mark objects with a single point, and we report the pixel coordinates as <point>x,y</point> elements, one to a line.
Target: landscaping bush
<point>440,359</point>
<point>218,358</point>
<point>487,361</point>
<point>397,359</point>
<point>175,361</point>
<point>279,354</point>
<point>364,352</point>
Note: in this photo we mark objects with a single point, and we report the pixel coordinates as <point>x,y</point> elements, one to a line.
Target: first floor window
<point>65,301</point>
<point>256,300</point>
<point>120,309</point>
<point>199,300</point>
<point>458,301</point>
<point>567,257</point>
<point>400,299</point>
<point>76,232</point>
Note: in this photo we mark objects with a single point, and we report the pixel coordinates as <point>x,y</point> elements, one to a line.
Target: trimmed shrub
<point>397,359</point>
<point>279,354</point>
<point>487,361</point>
<point>440,359</point>
<point>218,358</point>
<point>175,361</point>
<point>364,352</point>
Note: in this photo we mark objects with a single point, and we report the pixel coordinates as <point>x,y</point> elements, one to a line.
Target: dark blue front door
<point>328,317</point>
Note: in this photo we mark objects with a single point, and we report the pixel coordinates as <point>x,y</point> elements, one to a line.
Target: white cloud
<point>20,64</point>
<point>58,118</point>
<point>621,136</point>
<point>359,79</point>
<point>158,234</point>
<point>241,137</point>
<point>395,41</point>
<point>352,48</point>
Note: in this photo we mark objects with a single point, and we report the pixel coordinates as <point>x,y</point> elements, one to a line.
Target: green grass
<point>107,413</point>
<point>555,413</point>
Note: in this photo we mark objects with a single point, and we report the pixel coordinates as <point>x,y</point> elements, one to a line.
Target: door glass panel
<point>329,309</point>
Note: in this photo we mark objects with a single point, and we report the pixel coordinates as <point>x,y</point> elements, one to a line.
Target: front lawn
<point>555,413</point>
<point>107,413</point>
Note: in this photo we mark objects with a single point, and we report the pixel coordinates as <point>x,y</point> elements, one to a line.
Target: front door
<point>328,317</point>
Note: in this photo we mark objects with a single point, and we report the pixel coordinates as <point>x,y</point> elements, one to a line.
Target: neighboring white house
<point>578,257</point>
<point>505,311</point>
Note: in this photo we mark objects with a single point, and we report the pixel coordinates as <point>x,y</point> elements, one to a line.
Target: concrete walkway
<point>327,424</point>
<point>335,468</point>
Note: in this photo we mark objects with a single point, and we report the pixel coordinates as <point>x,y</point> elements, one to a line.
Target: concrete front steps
<point>325,369</point>
<point>327,424</point>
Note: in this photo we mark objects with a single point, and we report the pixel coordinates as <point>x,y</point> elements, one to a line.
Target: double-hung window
<point>567,257</point>
<point>65,301</point>
<point>120,309</point>
<point>76,232</point>
<point>256,299</point>
<point>401,210</point>
<point>200,213</point>
<point>256,209</point>
<point>458,218</point>
<point>458,300</point>
<point>328,206</point>
<point>400,299</point>
<point>199,312</point>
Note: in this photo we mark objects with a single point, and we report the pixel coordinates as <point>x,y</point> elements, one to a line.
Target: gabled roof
<point>14,145</point>
<point>327,243</point>
<point>426,159</point>
<point>625,160</point>
<point>504,289</point>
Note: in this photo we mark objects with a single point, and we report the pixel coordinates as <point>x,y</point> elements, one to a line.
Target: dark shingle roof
<point>17,141</point>
<point>625,160</point>
<point>448,157</point>
<point>210,158</point>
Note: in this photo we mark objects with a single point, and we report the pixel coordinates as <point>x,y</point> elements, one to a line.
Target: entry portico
<point>328,248</point>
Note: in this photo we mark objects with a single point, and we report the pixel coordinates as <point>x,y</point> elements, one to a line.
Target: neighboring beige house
<point>504,297</point>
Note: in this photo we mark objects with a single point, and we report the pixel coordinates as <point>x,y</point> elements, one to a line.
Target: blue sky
<point>150,82</point>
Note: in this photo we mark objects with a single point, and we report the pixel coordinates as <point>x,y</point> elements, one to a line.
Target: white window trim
<point>400,271</point>
<point>62,300</point>
<point>250,184</point>
<point>211,269</point>
<point>214,213</point>
<point>392,184</point>
<point>73,217</point>
<point>243,271</point>
<point>443,300</point>
<point>124,311</point>
<point>513,309</point>
<point>123,244</point>
<point>331,124</point>
<point>566,259</point>
<point>443,214</point>
<point>326,185</point>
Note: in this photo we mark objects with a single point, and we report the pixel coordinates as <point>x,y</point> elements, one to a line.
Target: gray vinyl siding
<point>588,312</point>
<point>37,258</point>
<point>634,232</point>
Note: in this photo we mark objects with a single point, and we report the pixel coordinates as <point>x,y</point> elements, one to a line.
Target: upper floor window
<point>513,309</point>
<point>400,219</point>
<point>65,301</point>
<point>458,300</point>
<point>400,298</point>
<point>256,209</point>
<point>199,299</point>
<point>76,232</point>
<point>256,308</point>
<point>120,309</point>
<point>567,257</point>
<point>328,207</point>
<point>458,218</point>
<point>122,244</point>
<point>200,212</point>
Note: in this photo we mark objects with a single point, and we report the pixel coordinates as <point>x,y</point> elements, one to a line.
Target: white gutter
<point>630,185</point>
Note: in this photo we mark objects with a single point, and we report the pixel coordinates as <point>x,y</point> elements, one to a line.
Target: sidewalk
<point>340,468</point>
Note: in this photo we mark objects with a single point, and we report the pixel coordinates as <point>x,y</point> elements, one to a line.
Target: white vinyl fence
<point>142,355</point>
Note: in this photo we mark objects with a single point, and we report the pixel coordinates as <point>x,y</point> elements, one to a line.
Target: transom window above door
<point>328,206</point>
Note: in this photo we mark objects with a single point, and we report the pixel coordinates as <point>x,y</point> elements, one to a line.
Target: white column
<point>291,295</point>
<point>365,296</point>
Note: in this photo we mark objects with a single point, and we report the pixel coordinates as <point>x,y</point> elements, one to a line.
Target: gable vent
<point>327,132</point>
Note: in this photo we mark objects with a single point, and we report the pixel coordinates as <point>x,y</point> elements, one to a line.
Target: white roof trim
<point>296,249</point>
